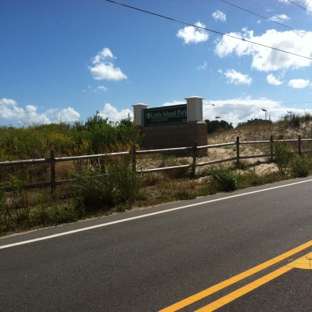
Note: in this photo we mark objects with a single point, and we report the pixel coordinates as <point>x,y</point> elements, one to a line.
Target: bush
<point>226,179</point>
<point>94,191</point>
<point>300,167</point>
<point>217,125</point>
<point>283,156</point>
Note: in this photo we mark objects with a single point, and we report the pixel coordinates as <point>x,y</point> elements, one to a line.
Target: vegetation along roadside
<point>110,186</point>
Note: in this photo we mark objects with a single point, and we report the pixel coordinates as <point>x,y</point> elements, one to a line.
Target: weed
<point>283,156</point>
<point>299,167</point>
<point>225,178</point>
<point>105,185</point>
<point>94,191</point>
<point>177,173</point>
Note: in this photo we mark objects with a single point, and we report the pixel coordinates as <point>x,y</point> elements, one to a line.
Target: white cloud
<point>299,83</point>
<point>266,59</point>
<point>219,15</point>
<point>204,66</point>
<point>237,78</point>
<point>240,109</point>
<point>67,115</point>
<point>175,102</point>
<point>279,18</point>
<point>101,89</point>
<point>103,67</point>
<point>190,34</point>
<point>271,79</point>
<point>112,114</point>
<point>98,89</point>
<point>245,108</point>
<point>308,4</point>
<point>10,110</point>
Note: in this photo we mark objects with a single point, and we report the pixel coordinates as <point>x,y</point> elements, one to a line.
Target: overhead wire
<point>264,17</point>
<point>298,5</point>
<point>207,29</point>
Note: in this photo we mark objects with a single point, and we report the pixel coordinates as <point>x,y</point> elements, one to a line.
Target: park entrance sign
<point>172,126</point>
<point>166,115</point>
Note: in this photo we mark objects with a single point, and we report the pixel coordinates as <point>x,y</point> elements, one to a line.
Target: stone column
<point>194,108</point>
<point>138,117</point>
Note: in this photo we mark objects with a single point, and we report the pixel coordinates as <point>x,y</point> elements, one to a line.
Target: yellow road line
<point>205,293</point>
<point>244,290</point>
<point>301,263</point>
<point>304,262</point>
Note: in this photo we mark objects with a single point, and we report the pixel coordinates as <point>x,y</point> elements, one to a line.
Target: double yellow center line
<point>245,289</point>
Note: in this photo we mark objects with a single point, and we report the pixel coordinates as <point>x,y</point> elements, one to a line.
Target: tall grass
<point>225,178</point>
<point>283,156</point>
<point>118,187</point>
<point>111,185</point>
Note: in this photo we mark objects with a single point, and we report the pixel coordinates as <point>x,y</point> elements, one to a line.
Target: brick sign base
<point>177,135</point>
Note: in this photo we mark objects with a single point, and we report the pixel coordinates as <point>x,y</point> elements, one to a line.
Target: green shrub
<point>126,182</point>
<point>300,167</point>
<point>94,191</point>
<point>283,156</point>
<point>225,178</point>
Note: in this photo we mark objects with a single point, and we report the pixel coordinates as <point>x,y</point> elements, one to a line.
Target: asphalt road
<point>151,259</point>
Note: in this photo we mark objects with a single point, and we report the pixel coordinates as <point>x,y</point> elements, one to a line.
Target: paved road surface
<point>152,259</point>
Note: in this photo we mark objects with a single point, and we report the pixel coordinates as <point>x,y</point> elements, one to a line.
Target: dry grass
<point>281,130</point>
<point>161,187</point>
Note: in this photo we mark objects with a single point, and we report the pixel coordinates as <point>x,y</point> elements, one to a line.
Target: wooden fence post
<point>194,158</point>
<point>52,164</point>
<point>237,151</point>
<point>133,157</point>
<point>272,147</point>
<point>299,144</point>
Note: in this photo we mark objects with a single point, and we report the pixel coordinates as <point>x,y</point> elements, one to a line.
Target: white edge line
<point>146,215</point>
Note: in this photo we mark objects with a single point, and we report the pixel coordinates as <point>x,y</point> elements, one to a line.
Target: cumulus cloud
<point>245,108</point>
<point>112,114</point>
<point>279,18</point>
<point>103,68</point>
<point>233,110</point>
<point>219,15</point>
<point>191,34</point>
<point>10,110</point>
<point>271,79</point>
<point>266,59</point>
<point>67,115</point>
<point>308,4</point>
<point>299,83</point>
<point>237,78</point>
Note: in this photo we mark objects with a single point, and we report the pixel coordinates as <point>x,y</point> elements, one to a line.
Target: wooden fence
<point>133,153</point>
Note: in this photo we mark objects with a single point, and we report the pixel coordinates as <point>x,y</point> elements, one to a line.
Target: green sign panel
<point>165,115</point>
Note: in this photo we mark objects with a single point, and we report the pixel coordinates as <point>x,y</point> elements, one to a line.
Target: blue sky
<point>63,60</point>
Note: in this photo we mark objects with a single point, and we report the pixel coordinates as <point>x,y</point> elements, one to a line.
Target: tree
<point>215,125</point>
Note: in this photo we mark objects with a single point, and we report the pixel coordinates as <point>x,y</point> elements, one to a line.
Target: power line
<point>298,5</point>
<point>266,18</point>
<point>207,29</point>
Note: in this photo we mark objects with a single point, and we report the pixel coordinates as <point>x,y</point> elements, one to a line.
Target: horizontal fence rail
<point>193,150</point>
